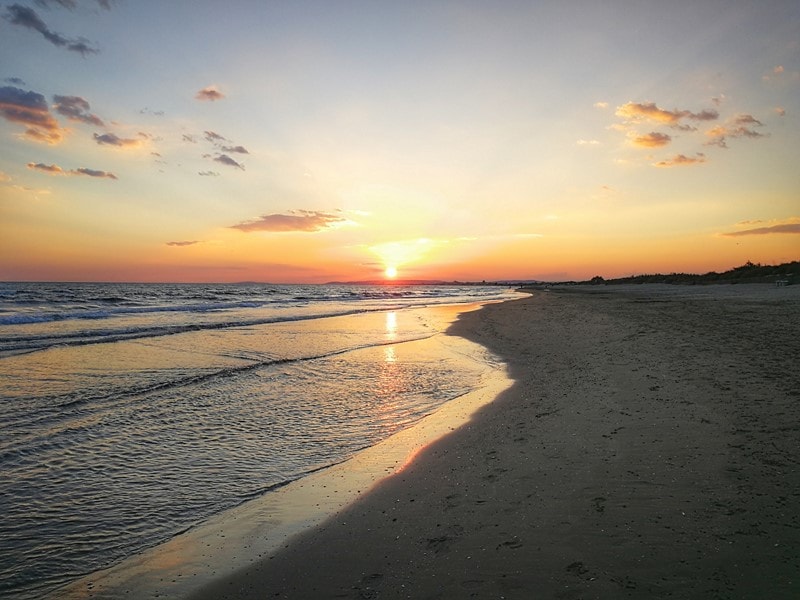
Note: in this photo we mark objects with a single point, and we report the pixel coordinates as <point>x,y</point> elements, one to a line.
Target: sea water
<point>130,413</point>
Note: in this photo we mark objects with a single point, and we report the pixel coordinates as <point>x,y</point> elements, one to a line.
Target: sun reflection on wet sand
<point>389,354</point>
<point>391,326</point>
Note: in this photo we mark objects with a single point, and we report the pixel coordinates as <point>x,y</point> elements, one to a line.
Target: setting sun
<point>391,272</point>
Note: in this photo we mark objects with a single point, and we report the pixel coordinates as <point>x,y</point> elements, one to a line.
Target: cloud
<point>740,126</point>
<point>747,120</point>
<point>296,220</point>
<point>30,109</point>
<point>778,69</point>
<point>208,173</point>
<point>110,139</point>
<point>227,160</point>
<point>52,169</point>
<point>93,173</point>
<point>600,105</point>
<point>235,149</point>
<point>4,178</point>
<point>23,16</point>
<point>587,143</point>
<point>72,4</point>
<point>76,108</point>
<point>15,80</point>
<point>680,160</point>
<point>56,170</point>
<point>213,137</point>
<point>648,111</point>
<point>184,243</point>
<point>793,227</point>
<point>650,140</point>
<point>780,111</point>
<point>209,94</point>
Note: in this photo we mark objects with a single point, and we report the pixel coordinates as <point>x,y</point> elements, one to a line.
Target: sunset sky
<point>294,141</point>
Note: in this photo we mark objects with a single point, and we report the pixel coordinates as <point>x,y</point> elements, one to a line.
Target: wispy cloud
<point>681,160</point>
<point>653,139</point>
<point>56,170</point>
<point>181,244</point>
<point>93,173</point>
<point>209,94</point>
<point>111,139</point>
<point>52,169</point>
<point>224,159</point>
<point>223,146</point>
<point>30,109</point>
<point>208,173</point>
<point>587,142</point>
<point>789,226</point>
<point>297,220</point>
<point>600,105</point>
<point>76,108</point>
<point>235,149</point>
<point>23,16</point>
<point>72,4</point>
<point>214,137</point>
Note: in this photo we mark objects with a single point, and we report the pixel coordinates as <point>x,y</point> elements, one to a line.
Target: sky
<point>336,140</point>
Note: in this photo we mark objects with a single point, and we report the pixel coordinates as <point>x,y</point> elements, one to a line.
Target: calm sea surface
<point>131,412</point>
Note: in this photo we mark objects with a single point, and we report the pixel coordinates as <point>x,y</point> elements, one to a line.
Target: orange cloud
<point>297,220</point>
<point>30,109</point>
<point>648,111</point>
<point>209,94</point>
<point>740,126</point>
<point>681,160</point>
<point>651,140</point>
<point>56,170</point>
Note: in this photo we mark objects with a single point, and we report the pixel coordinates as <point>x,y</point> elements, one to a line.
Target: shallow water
<point>111,447</point>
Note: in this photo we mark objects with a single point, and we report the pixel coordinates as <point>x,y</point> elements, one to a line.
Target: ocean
<point>130,413</point>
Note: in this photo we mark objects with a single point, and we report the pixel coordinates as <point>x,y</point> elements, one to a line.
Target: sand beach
<point>647,449</point>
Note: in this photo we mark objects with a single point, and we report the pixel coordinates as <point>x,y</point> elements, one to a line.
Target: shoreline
<point>646,449</point>
<point>257,528</point>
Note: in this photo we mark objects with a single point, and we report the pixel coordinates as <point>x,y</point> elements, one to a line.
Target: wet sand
<point>648,449</point>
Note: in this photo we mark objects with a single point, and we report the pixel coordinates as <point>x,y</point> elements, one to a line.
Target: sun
<point>390,272</point>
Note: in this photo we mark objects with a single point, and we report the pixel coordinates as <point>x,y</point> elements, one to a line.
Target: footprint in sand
<point>511,544</point>
<point>599,504</point>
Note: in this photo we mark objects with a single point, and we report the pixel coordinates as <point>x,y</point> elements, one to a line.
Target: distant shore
<point>647,449</point>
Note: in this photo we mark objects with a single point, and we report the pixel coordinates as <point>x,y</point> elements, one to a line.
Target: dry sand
<point>648,449</point>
